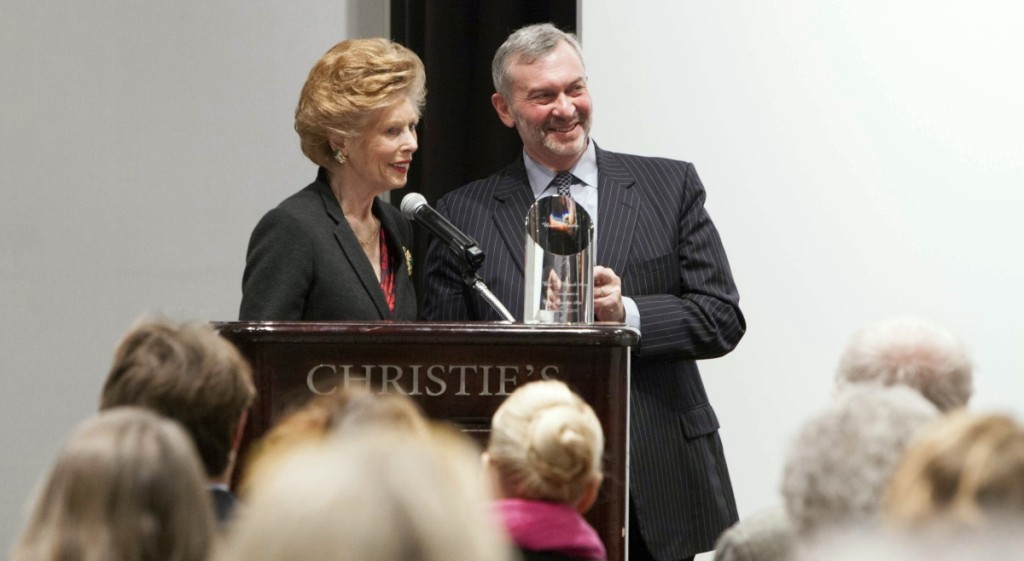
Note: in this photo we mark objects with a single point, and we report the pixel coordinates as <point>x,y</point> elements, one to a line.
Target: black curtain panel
<point>460,136</point>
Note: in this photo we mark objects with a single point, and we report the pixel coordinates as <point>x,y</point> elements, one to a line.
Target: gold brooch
<point>408,261</point>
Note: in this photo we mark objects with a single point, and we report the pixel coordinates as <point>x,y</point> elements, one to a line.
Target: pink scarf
<point>545,526</point>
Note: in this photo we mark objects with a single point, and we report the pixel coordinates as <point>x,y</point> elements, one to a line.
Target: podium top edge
<point>601,333</point>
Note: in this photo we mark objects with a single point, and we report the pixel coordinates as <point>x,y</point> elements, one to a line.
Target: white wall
<point>139,144</point>
<point>862,160</point>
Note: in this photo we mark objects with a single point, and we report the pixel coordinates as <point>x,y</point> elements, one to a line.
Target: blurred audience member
<point>900,351</point>
<point>123,488</point>
<point>835,474</point>
<point>379,494</point>
<point>544,455</point>
<point>343,412</point>
<point>766,535</point>
<point>188,373</point>
<point>964,473</point>
<point>841,461</point>
<point>911,352</point>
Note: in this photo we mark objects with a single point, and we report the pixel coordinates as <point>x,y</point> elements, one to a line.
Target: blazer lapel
<point>513,198</point>
<point>354,254</point>
<point>618,206</point>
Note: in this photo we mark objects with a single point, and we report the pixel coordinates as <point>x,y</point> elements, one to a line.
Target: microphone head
<point>411,203</point>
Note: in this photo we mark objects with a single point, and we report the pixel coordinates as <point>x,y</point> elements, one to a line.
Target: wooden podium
<point>459,372</point>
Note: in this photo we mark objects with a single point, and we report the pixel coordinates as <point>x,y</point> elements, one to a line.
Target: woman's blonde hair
<point>381,494</point>
<point>964,472</point>
<point>546,443</point>
<point>127,486</point>
<point>349,85</point>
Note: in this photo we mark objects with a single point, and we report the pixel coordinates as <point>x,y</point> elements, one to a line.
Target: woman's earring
<point>339,157</point>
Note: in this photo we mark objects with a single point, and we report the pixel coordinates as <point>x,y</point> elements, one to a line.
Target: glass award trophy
<point>559,262</point>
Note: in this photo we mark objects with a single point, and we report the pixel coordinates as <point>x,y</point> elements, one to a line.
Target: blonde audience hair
<point>127,486</point>
<point>546,443</point>
<point>962,473</point>
<point>343,412</point>
<point>382,494</point>
<point>349,86</point>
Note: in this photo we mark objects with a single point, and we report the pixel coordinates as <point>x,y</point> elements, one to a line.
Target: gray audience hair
<point>912,352</point>
<point>842,459</point>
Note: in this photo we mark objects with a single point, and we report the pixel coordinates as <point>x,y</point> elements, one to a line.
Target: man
<point>661,268</point>
<point>190,374</point>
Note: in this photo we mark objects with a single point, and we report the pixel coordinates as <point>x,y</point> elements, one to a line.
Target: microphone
<point>415,207</point>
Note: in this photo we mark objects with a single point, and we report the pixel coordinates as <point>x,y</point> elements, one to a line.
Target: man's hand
<point>608,296</point>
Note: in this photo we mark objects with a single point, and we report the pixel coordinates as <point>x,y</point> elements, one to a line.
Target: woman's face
<point>379,159</point>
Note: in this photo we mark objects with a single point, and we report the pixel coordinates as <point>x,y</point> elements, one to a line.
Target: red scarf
<point>387,273</point>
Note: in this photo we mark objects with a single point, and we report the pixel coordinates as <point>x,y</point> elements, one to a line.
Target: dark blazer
<point>305,263</point>
<point>654,233</point>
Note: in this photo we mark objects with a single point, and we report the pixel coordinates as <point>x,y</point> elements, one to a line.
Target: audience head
<point>380,494</point>
<point>841,460</point>
<point>349,86</point>
<point>344,412</point>
<point>962,473</point>
<point>911,352</point>
<point>186,372</point>
<point>546,444</point>
<point>126,486</point>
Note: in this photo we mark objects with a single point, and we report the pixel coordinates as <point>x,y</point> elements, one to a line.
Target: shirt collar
<point>585,170</point>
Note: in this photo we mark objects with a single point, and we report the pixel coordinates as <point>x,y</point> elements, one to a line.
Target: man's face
<point>550,107</point>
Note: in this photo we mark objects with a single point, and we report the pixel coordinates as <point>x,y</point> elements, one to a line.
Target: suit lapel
<point>618,206</point>
<point>353,252</point>
<point>513,198</point>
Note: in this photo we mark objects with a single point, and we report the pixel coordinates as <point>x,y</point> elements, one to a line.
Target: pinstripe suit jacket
<point>656,235</point>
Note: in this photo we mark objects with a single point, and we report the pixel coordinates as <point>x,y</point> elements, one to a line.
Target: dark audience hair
<point>189,373</point>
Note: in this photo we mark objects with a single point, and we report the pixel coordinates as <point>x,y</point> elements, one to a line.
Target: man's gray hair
<point>525,46</point>
<point>912,352</point>
<point>842,459</point>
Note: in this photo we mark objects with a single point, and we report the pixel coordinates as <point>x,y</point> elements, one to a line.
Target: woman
<point>334,251</point>
<point>544,456</point>
<point>127,486</point>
